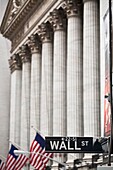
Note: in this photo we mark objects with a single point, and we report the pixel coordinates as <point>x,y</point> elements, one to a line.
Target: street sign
<point>76,145</point>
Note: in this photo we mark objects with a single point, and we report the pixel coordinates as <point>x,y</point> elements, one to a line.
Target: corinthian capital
<point>25,54</point>
<point>72,7</point>
<point>34,44</point>
<point>57,19</point>
<point>45,32</point>
<point>15,63</point>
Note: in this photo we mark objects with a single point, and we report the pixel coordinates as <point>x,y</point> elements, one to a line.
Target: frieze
<point>16,39</point>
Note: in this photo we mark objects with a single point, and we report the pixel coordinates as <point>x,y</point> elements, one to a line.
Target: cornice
<point>5,15</point>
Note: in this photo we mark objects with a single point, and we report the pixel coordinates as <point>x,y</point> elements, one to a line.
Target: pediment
<point>12,10</point>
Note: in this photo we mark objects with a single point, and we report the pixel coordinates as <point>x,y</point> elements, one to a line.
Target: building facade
<point>55,70</point>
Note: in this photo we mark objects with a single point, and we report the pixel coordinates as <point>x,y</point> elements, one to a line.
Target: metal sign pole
<point>110,61</point>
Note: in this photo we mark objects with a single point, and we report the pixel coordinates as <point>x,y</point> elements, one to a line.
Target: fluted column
<point>46,117</point>
<point>59,75</point>
<point>35,85</point>
<point>25,101</point>
<point>91,63</point>
<point>74,70</point>
<point>15,104</point>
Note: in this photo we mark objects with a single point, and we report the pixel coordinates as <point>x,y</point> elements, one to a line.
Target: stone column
<point>59,76</point>
<point>35,85</point>
<point>46,116</point>
<point>74,70</point>
<point>15,104</point>
<point>25,101</point>
<point>91,63</point>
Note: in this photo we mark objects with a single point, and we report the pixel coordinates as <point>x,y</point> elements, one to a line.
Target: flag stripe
<point>11,163</point>
<point>36,148</point>
<point>2,165</point>
<point>21,162</point>
<point>36,159</point>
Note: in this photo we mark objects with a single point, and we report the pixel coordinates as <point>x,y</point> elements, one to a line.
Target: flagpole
<point>36,130</point>
<point>3,157</point>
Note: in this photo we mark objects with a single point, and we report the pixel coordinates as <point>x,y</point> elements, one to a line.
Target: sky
<point>3,4</point>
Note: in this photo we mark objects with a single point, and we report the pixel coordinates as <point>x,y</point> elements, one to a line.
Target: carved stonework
<point>15,63</point>
<point>72,7</point>
<point>16,5</point>
<point>34,44</point>
<point>17,38</point>
<point>17,17</point>
<point>57,19</point>
<point>45,32</point>
<point>25,53</point>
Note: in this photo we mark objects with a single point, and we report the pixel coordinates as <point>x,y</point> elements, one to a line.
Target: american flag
<point>11,158</point>
<point>2,165</point>
<point>40,159</point>
<point>15,162</point>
